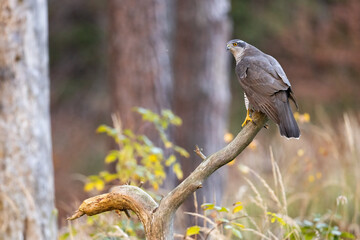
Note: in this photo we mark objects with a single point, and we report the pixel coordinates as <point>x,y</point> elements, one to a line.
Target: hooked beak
<point>228,46</point>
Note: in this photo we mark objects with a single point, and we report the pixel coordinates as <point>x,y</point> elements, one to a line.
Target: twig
<point>199,152</point>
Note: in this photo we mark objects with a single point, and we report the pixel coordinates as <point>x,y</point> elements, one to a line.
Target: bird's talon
<point>247,119</point>
<point>266,126</point>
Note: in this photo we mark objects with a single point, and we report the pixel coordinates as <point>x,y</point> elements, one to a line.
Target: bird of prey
<point>266,87</point>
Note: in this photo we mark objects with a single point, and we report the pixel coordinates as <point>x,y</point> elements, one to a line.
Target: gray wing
<point>280,73</point>
<point>278,69</point>
<point>260,82</point>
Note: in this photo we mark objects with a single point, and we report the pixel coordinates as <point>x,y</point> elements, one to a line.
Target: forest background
<point>107,57</point>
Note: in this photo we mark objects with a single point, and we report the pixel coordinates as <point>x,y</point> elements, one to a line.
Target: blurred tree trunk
<point>140,70</point>
<point>26,171</point>
<point>201,84</point>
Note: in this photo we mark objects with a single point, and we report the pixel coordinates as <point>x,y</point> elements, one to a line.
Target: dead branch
<point>158,219</point>
<point>199,152</point>
<point>121,198</point>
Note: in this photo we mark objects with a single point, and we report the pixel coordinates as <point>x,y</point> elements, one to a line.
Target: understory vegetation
<point>278,189</point>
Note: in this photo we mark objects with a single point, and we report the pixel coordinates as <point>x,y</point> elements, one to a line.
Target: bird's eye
<point>234,44</point>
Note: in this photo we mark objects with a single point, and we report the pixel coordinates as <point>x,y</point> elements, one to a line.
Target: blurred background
<point>110,56</point>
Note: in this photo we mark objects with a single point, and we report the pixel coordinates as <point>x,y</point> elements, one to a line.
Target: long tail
<point>287,124</point>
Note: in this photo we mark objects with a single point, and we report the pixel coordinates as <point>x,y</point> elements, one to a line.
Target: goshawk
<point>266,87</point>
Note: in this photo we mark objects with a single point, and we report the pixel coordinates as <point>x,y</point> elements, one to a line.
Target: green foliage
<point>275,217</point>
<point>138,159</point>
<point>320,229</point>
<point>192,230</point>
<point>223,220</point>
<point>265,214</point>
<point>232,226</point>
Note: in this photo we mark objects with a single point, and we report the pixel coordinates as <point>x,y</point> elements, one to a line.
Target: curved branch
<point>123,197</point>
<point>194,181</point>
<point>158,220</point>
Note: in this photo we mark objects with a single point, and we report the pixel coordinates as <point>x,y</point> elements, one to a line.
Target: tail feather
<point>287,123</point>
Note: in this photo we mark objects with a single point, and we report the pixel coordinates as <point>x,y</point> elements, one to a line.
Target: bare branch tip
<point>76,215</point>
<point>199,153</point>
<point>127,213</point>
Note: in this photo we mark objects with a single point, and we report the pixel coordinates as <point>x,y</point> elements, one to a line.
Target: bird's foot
<point>247,119</point>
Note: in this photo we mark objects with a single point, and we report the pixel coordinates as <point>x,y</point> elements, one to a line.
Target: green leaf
<point>164,123</point>
<point>108,177</point>
<point>237,209</point>
<point>112,156</point>
<point>99,185</point>
<point>170,116</point>
<point>176,121</point>
<point>156,150</point>
<point>182,151</point>
<point>177,171</point>
<point>336,232</point>
<point>148,115</point>
<point>89,186</point>
<point>238,225</point>
<point>64,236</point>
<point>347,235</point>
<point>146,140</point>
<point>129,133</point>
<point>321,225</point>
<point>106,129</point>
<point>170,160</point>
<point>102,128</point>
<point>167,114</point>
<point>237,233</point>
<point>192,230</point>
<point>223,220</point>
<point>228,226</point>
<point>222,209</point>
<point>207,206</point>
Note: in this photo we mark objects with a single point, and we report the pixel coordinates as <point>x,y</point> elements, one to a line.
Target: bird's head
<point>236,47</point>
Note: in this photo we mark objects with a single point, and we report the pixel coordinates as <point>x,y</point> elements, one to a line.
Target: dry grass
<point>298,179</point>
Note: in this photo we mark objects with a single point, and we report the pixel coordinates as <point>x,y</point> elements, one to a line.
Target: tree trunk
<point>201,83</point>
<point>26,172</point>
<point>140,70</point>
